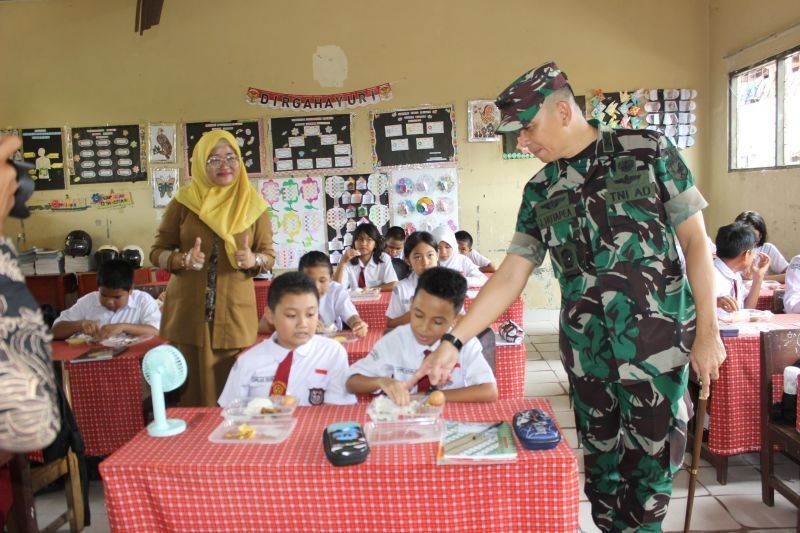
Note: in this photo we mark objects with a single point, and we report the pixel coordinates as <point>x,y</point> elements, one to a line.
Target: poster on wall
<point>249,136</point>
<point>422,199</point>
<point>44,149</point>
<point>306,144</point>
<point>510,149</point>
<point>406,137</point>
<point>296,210</point>
<point>671,111</point>
<point>165,185</point>
<point>162,147</point>
<point>351,200</point>
<point>483,117</point>
<point>106,154</point>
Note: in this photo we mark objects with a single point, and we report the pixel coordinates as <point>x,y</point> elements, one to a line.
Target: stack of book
<point>76,264</point>
<point>48,262</point>
<point>27,262</point>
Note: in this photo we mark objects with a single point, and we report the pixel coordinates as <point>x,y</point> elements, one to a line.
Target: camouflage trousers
<point>634,437</point>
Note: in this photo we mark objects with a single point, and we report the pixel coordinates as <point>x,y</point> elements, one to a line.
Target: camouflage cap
<point>521,100</point>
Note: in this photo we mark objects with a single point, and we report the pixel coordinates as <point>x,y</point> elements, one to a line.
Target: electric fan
<point>164,369</point>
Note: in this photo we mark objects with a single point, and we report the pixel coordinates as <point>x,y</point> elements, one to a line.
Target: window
<point>765,113</point>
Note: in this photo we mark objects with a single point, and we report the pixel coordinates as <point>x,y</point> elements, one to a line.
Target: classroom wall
<point>80,63</point>
<point>735,25</point>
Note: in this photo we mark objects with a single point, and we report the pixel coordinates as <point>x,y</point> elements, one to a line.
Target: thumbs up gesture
<point>195,258</point>
<point>245,258</point>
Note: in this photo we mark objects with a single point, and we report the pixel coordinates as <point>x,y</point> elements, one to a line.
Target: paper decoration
<point>422,199</point>
<point>618,109</point>
<point>106,154</point>
<point>510,150</point>
<point>483,118</point>
<point>44,149</point>
<point>306,143</point>
<point>351,200</point>
<point>111,199</point>
<point>66,204</point>
<point>671,111</point>
<point>165,185</point>
<point>249,136</point>
<point>296,211</point>
<point>409,137</point>
<point>161,146</point>
<point>323,102</point>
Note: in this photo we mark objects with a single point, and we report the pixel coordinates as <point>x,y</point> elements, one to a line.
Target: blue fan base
<point>173,426</point>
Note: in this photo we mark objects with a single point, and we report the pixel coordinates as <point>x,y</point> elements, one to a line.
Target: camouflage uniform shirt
<point>608,216</point>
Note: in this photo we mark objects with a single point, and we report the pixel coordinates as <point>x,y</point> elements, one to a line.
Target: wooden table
<point>56,289</point>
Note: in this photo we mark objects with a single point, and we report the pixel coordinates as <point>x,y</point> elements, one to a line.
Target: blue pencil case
<point>536,430</point>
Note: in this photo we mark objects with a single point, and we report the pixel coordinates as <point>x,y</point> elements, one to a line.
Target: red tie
<point>281,380</point>
<point>424,384</point>
<point>362,281</point>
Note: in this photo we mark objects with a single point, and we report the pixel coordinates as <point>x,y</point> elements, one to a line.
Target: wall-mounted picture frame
<point>165,184</point>
<point>162,147</point>
<point>483,117</point>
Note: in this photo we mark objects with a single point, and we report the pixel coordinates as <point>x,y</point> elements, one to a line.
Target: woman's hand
<point>194,259</point>
<point>245,258</point>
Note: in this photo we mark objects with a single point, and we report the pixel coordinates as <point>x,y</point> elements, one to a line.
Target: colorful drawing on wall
<point>296,211</point>
<point>162,146</point>
<point>305,144</point>
<point>483,117</point>
<point>510,148</point>
<point>624,109</point>
<point>422,199</point>
<point>351,200</point>
<point>671,111</point>
<point>165,185</point>
<point>44,149</point>
<point>106,154</point>
<point>249,136</point>
<point>111,199</point>
<point>409,137</point>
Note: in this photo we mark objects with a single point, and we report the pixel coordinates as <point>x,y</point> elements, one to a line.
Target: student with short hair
<point>114,308</point>
<point>335,305</point>
<point>464,240</point>
<point>395,238</point>
<point>777,262</point>
<point>394,359</point>
<point>735,254</point>
<point>294,360</point>
<point>450,258</point>
<point>365,264</point>
<point>421,253</point>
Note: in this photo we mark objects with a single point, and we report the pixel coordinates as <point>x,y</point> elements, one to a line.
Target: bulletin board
<point>407,137</point>
<point>296,211</point>
<point>106,154</point>
<point>422,199</point>
<point>249,136</point>
<point>44,149</point>
<point>306,144</point>
<point>351,200</point>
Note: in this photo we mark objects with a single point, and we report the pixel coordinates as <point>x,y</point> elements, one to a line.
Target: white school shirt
<point>403,292</point>
<point>777,263</point>
<point>319,371</point>
<point>335,306</point>
<point>726,279</point>
<point>140,309</point>
<point>465,267</point>
<point>791,298</point>
<point>479,260</point>
<point>374,273</point>
<point>398,355</point>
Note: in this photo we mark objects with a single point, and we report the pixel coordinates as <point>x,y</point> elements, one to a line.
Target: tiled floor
<point>733,507</point>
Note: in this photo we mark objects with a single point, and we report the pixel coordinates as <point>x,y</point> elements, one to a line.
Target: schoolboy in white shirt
<point>114,309</point>
<point>464,240</point>
<point>791,297</point>
<point>450,258</point>
<point>396,357</point>
<point>735,254</point>
<point>294,360</point>
<point>421,253</point>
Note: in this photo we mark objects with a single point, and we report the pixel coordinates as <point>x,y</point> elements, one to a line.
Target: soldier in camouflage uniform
<point>609,207</point>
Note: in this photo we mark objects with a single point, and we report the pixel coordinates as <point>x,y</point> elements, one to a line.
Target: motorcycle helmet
<point>133,254</point>
<point>78,243</point>
<point>105,253</point>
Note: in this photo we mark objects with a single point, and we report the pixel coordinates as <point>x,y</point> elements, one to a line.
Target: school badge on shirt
<point>316,396</point>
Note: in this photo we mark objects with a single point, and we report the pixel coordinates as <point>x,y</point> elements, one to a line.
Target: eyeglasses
<point>230,160</point>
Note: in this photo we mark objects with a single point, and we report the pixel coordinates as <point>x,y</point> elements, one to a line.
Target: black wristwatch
<point>452,339</point>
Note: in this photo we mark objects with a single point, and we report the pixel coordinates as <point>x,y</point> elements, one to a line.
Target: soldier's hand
<point>707,355</point>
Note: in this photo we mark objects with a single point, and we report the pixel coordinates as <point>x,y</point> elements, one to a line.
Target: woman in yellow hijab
<point>214,237</point>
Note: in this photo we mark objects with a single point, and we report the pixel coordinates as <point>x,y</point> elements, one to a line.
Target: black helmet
<point>133,254</point>
<point>105,253</point>
<point>78,243</point>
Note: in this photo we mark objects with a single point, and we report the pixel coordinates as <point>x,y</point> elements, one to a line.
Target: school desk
<point>57,290</point>
<point>186,483</point>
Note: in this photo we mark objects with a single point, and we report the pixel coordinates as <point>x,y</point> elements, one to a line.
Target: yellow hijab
<point>227,210</point>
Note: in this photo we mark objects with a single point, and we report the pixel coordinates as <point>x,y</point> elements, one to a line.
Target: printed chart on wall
<point>249,136</point>
<point>413,137</point>
<point>352,200</point>
<point>422,199</point>
<point>297,215</point>
<point>106,154</point>
<point>44,149</point>
<point>311,143</point>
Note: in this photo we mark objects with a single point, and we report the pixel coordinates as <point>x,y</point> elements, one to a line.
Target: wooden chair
<point>777,301</point>
<point>779,349</point>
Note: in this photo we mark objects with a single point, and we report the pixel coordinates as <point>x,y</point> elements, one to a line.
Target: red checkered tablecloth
<point>514,311</point>
<point>765,298</point>
<point>186,483</point>
<point>106,395</point>
<point>734,406</point>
